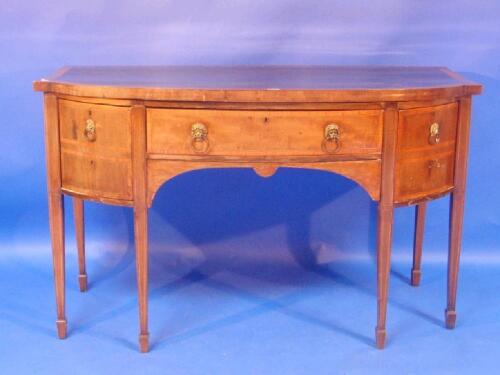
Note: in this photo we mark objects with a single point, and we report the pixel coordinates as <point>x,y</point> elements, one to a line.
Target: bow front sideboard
<point>116,134</point>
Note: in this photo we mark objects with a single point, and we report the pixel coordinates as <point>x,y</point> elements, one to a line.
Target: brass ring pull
<point>434,134</point>
<point>331,141</point>
<point>199,138</point>
<point>90,130</point>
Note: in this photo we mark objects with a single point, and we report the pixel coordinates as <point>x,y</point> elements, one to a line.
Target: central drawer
<point>263,133</point>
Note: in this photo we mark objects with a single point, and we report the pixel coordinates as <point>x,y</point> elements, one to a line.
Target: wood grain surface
<point>264,133</point>
<point>260,83</point>
<point>117,134</point>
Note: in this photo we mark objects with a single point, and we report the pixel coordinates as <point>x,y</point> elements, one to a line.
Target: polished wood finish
<point>423,168</point>
<point>418,240</point>
<point>78,213</point>
<point>365,173</point>
<point>117,134</point>
<point>457,202</point>
<point>303,84</point>
<point>100,167</point>
<point>385,221</point>
<point>432,173</point>
<point>270,133</point>
<point>56,207</point>
<point>78,194</point>
<point>138,116</point>
<point>413,129</point>
<point>266,170</point>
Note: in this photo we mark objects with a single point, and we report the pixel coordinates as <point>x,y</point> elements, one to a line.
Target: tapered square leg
<point>138,117</point>
<point>418,243</point>
<point>457,202</point>
<point>56,206</point>
<point>78,213</point>
<point>141,254</point>
<point>56,218</point>
<point>384,240</point>
<point>385,219</point>
<point>456,219</point>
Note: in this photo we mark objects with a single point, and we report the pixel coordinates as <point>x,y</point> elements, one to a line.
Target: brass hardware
<point>90,130</point>
<point>434,164</point>
<point>199,138</point>
<point>434,133</point>
<point>332,137</point>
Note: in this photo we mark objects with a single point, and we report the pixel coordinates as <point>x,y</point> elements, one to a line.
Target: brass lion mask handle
<point>331,141</point>
<point>199,138</point>
<point>90,130</point>
<point>434,133</point>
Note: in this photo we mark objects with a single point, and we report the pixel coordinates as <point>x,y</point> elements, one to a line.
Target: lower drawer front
<point>96,161</point>
<point>269,133</point>
<point>424,176</point>
<point>93,176</point>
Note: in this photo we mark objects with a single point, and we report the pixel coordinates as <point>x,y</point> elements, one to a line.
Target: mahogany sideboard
<point>116,134</point>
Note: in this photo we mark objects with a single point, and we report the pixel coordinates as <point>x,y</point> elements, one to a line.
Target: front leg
<point>385,219</point>
<point>141,256</point>
<point>456,220</point>
<point>56,206</point>
<point>384,240</point>
<point>457,209</point>
<point>56,219</point>
<point>138,119</point>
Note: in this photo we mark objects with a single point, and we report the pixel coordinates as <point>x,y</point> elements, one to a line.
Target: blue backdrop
<point>233,219</point>
<point>228,207</point>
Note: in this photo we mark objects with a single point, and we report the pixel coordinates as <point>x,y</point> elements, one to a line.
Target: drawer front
<point>264,133</point>
<point>414,130</point>
<point>424,176</point>
<point>425,151</point>
<point>96,149</point>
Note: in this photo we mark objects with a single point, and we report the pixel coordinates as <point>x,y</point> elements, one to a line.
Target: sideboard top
<point>312,83</point>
